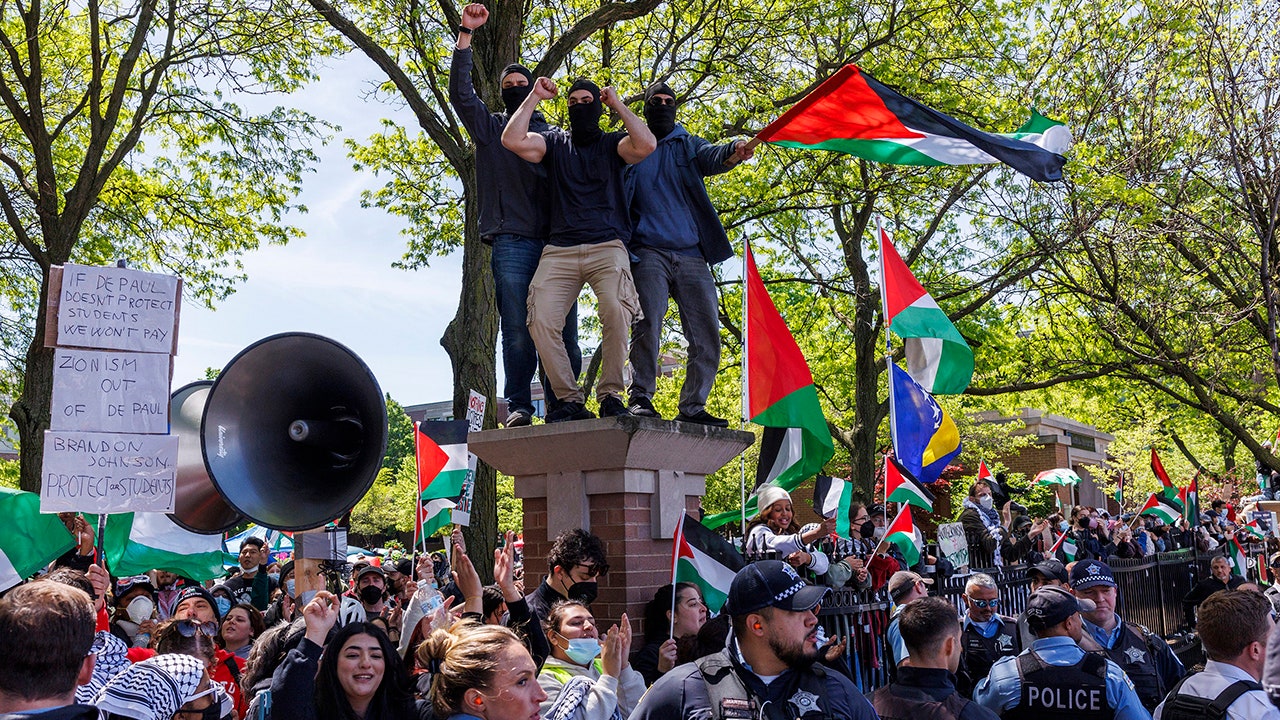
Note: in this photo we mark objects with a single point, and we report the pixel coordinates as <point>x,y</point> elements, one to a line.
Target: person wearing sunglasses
<point>986,635</point>
<point>197,638</point>
<point>677,237</point>
<point>164,687</point>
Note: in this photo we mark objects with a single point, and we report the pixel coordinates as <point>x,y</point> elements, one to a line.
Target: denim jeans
<point>514,261</point>
<point>660,274</point>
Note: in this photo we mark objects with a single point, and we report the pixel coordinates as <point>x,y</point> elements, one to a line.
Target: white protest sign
<point>117,309</point>
<point>475,421</point>
<point>110,391</point>
<point>108,472</point>
<point>952,545</point>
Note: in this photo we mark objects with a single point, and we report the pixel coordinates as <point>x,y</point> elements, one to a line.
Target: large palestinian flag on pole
<point>937,355</point>
<point>30,540</point>
<point>854,113</point>
<point>441,449</point>
<point>1167,488</point>
<point>1168,510</point>
<point>704,558</point>
<point>778,392</point>
<point>137,543</point>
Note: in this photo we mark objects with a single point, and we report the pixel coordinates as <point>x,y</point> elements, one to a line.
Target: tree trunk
<point>470,339</point>
<point>31,411</point>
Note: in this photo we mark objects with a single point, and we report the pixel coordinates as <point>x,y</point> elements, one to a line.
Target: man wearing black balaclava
<point>677,237</point>
<point>512,197</point>
<point>589,235</point>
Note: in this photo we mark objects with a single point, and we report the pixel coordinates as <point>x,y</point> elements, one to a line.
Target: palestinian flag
<point>1191,500</point>
<point>902,533</point>
<point>901,486</point>
<point>1252,529</point>
<point>937,355</point>
<point>31,540</point>
<point>925,438</point>
<point>704,558</point>
<point>778,394</point>
<point>1067,546</point>
<point>832,498</point>
<point>1167,488</point>
<point>1162,507</point>
<point>1057,476</point>
<point>1239,559</point>
<point>854,113</point>
<point>441,449</point>
<point>983,473</point>
<point>137,543</point>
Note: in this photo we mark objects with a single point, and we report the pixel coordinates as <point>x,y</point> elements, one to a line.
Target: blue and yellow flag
<point>925,439</point>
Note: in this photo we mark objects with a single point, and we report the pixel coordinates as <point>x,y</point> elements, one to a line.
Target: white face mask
<point>140,608</point>
<point>987,502</point>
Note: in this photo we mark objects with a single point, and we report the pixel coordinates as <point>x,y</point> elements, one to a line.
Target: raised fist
<point>609,97</point>
<point>474,15</point>
<point>545,88</point>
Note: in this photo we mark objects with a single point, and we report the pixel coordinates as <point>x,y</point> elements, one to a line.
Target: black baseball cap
<point>771,583</point>
<point>371,569</point>
<point>196,591</point>
<point>1049,569</point>
<point>876,510</point>
<point>1091,573</point>
<point>1050,605</point>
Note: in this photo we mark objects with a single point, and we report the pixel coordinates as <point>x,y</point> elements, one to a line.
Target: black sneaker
<point>518,418</point>
<point>611,406</point>
<point>642,407</point>
<point>702,417</point>
<point>569,411</point>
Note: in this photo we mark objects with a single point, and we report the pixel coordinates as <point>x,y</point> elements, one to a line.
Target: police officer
<point>1045,572</point>
<point>1054,679</point>
<point>1234,626</point>
<point>904,587</point>
<point>1144,657</point>
<point>987,635</point>
<point>768,669</point>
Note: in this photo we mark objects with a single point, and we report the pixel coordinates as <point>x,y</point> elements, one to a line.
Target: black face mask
<point>661,119</point>
<point>584,122</point>
<point>583,592</point>
<point>867,530</point>
<point>370,594</point>
<point>513,96</point>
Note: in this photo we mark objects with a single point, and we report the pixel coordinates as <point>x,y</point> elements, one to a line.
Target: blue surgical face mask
<point>1064,526</point>
<point>288,587</point>
<point>275,577</point>
<point>224,606</point>
<point>583,650</point>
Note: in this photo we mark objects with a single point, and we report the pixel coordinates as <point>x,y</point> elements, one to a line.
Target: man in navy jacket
<point>676,237</point>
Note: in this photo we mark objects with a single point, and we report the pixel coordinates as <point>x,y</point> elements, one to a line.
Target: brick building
<point>1060,442</point>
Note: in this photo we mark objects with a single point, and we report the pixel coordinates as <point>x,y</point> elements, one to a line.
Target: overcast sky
<point>338,280</point>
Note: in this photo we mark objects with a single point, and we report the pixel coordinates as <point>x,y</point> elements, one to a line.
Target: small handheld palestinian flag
<point>1252,529</point>
<point>703,558</point>
<point>441,450</point>
<point>1068,548</point>
<point>853,113</point>
<point>1162,507</point>
<point>983,473</point>
<point>901,486</point>
<point>902,533</point>
<point>1239,560</point>
<point>1167,488</point>
<point>832,498</point>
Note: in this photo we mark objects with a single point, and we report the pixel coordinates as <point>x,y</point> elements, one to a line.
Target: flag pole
<point>888,346</point>
<point>675,559</point>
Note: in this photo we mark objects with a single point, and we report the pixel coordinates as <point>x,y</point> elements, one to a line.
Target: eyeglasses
<point>189,628</point>
<point>657,101</point>
<point>984,604</point>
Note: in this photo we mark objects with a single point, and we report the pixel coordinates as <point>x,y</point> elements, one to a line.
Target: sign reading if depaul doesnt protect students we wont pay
<point>111,308</point>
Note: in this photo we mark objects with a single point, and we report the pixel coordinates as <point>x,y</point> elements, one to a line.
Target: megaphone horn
<point>294,431</point>
<point>198,506</point>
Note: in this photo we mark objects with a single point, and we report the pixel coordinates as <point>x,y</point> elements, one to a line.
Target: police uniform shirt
<point>1167,664</point>
<point>1218,676</point>
<point>1002,689</point>
<point>897,647</point>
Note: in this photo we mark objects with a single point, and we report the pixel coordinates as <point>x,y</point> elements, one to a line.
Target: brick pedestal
<point>627,480</point>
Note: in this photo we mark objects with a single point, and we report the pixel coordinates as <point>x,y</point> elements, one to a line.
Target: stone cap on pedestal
<point>609,444</point>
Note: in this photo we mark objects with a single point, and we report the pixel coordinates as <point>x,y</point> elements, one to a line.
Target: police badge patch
<point>1004,643</point>
<point>805,702</point>
<point>1135,655</point>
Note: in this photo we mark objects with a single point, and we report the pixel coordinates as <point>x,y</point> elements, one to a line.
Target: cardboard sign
<point>475,422</point>
<point>112,308</point>
<point>110,391</point>
<point>475,411</point>
<point>108,472</point>
<point>952,545</point>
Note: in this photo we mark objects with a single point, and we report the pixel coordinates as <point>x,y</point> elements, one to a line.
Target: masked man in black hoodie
<point>512,195</point>
<point>589,235</point>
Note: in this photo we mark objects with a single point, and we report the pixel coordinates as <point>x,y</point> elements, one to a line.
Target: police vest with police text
<point>731,700</point>
<point>1062,692</point>
<point>1136,657</point>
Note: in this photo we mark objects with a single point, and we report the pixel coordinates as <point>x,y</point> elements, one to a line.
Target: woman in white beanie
<point>774,530</point>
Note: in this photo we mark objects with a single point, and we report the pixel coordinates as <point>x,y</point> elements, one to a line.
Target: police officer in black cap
<point>769,668</point>
<point>1054,679</point>
<point>1045,572</point>
<point>1144,657</point>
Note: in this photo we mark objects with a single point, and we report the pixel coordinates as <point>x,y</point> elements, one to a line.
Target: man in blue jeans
<point>512,196</point>
<point>677,237</point>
